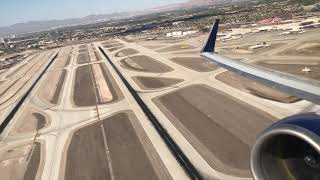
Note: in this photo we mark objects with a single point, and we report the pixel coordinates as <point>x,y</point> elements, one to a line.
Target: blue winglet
<point>211,42</point>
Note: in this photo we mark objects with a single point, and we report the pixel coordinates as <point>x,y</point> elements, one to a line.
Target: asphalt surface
<point>154,83</point>
<point>145,63</point>
<point>195,63</point>
<point>86,155</point>
<point>116,133</point>
<point>129,159</point>
<point>215,124</point>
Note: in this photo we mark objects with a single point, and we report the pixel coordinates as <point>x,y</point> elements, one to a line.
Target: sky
<point>18,11</point>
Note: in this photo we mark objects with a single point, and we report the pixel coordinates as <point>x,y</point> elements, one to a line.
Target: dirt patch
<point>26,67</point>
<point>86,155</point>
<point>10,162</point>
<point>50,92</point>
<point>31,121</point>
<point>41,120</point>
<point>126,52</point>
<point>110,42</point>
<point>187,52</point>
<point>2,72</point>
<point>195,63</point>
<point>155,82</point>
<point>62,62</point>
<point>97,55</point>
<point>57,92</point>
<point>16,71</point>
<point>146,64</point>
<point>179,47</point>
<point>115,48</point>
<point>129,158</point>
<point>34,163</point>
<point>221,128</point>
<point>8,86</point>
<point>84,93</point>
<point>113,45</point>
<point>2,83</point>
<point>83,58</point>
<point>14,165</point>
<point>153,46</point>
<point>102,89</point>
<point>11,90</point>
<point>83,46</point>
<point>255,88</point>
<point>68,61</point>
<point>295,69</point>
<point>112,84</point>
<point>304,49</point>
<point>128,40</point>
<point>85,50</point>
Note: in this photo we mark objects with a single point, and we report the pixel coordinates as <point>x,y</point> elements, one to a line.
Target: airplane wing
<point>290,148</point>
<point>298,86</point>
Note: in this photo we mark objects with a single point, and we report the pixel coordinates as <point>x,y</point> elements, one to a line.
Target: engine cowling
<point>288,150</point>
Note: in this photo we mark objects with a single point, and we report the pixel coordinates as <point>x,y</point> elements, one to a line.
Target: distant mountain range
<point>192,3</point>
<point>209,2</point>
<point>35,26</point>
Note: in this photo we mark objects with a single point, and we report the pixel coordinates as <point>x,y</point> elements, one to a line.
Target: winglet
<point>211,42</point>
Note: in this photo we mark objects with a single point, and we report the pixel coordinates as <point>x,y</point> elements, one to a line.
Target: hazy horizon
<point>15,11</point>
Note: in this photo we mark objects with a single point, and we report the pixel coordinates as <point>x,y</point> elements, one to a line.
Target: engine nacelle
<point>288,150</point>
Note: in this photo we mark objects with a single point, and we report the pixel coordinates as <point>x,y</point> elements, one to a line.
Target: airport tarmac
<point>81,122</point>
<point>63,115</point>
<point>197,112</point>
<point>127,154</point>
<point>207,91</point>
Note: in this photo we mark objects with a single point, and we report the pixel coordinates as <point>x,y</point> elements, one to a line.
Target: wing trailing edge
<point>295,85</point>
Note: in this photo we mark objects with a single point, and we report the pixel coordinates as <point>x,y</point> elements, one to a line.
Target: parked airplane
<point>290,148</point>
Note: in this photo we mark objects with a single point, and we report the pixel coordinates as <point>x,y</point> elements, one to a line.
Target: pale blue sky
<point>16,11</point>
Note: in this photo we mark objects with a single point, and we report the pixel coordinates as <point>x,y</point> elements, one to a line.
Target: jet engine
<point>288,150</point>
